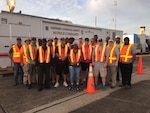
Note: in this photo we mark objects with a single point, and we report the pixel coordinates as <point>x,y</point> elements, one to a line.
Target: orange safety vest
<point>37,46</point>
<point>32,52</point>
<point>125,53</point>
<point>44,57</point>
<point>53,49</point>
<point>112,57</point>
<point>75,57</point>
<point>60,51</point>
<point>68,44</point>
<point>25,58</point>
<point>87,55</point>
<point>99,55</point>
<point>16,53</point>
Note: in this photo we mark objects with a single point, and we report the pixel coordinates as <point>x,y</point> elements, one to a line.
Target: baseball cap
<point>80,37</point>
<point>19,38</point>
<point>117,36</point>
<point>44,40</point>
<point>110,40</point>
<point>86,39</point>
<point>27,39</point>
<point>33,38</point>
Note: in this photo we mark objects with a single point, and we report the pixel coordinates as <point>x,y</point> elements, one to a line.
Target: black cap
<point>86,39</point>
<point>33,38</point>
<point>19,38</point>
<point>44,40</point>
<point>62,39</point>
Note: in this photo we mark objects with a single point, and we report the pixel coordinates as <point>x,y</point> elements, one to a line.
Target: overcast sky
<point>131,14</point>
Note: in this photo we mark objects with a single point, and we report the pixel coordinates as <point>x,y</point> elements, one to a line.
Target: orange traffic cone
<point>140,66</point>
<point>90,85</point>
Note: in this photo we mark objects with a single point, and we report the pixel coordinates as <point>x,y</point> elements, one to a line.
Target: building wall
<point>30,26</point>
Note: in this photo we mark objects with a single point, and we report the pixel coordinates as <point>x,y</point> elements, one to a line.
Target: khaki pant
<point>111,75</point>
<point>26,72</point>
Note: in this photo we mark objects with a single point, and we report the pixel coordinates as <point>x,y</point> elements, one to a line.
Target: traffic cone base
<point>90,84</point>
<point>90,91</point>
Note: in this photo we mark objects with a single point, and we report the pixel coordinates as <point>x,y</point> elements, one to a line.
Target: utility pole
<point>95,21</point>
<point>115,14</point>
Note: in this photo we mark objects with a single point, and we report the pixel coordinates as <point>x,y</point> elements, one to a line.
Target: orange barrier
<point>90,85</point>
<point>140,66</point>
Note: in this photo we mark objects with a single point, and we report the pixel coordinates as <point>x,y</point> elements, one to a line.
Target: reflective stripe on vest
<point>75,57</point>
<point>16,53</point>
<point>99,54</point>
<point>112,57</point>
<point>125,53</point>
<point>25,59</point>
<point>31,52</point>
<point>89,52</point>
<point>53,49</point>
<point>60,51</point>
<point>44,57</point>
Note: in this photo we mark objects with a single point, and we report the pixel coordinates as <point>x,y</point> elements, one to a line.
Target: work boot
<point>30,86</point>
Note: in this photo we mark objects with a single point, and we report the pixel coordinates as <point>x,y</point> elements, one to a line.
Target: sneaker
<point>82,85</point>
<point>95,85</point>
<point>121,85</point>
<point>40,89</point>
<point>112,86</point>
<point>77,87</point>
<point>127,86</point>
<point>15,84</point>
<point>71,87</point>
<point>103,88</point>
<point>56,85</point>
<point>65,84</point>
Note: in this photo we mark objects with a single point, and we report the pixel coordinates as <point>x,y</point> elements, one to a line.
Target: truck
<point>141,41</point>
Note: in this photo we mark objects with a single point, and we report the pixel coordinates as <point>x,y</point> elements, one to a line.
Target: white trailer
<point>13,25</point>
<point>139,40</point>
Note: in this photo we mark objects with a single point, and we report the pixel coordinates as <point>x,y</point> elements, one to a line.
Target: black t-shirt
<point>60,61</point>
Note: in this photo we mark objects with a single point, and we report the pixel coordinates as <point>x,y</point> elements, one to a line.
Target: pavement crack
<point>2,108</point>
<point>59,103</point>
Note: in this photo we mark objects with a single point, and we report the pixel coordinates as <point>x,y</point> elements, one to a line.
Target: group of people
<point>47,60</point>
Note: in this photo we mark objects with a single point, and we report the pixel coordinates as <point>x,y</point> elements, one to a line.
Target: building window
<point>82,32</point>
<point>46,28</point>
<point>3,20</point>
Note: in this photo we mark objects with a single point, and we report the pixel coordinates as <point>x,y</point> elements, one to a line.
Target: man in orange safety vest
<point>14,55</point>
<point>43,58</point>
<point>127,58</point>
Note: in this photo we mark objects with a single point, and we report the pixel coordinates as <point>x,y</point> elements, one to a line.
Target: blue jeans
<point>17,68</point>
<point>74,71</point>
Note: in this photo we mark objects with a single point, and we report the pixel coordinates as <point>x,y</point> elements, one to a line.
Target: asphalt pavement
<point>18,99</point>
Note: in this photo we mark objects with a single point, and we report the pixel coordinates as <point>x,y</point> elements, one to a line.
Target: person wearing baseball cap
<point>118,44</point>
<point>112,58</point>
<point>14,55</point>
<point>31,54</point>
<point>43,59</point>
